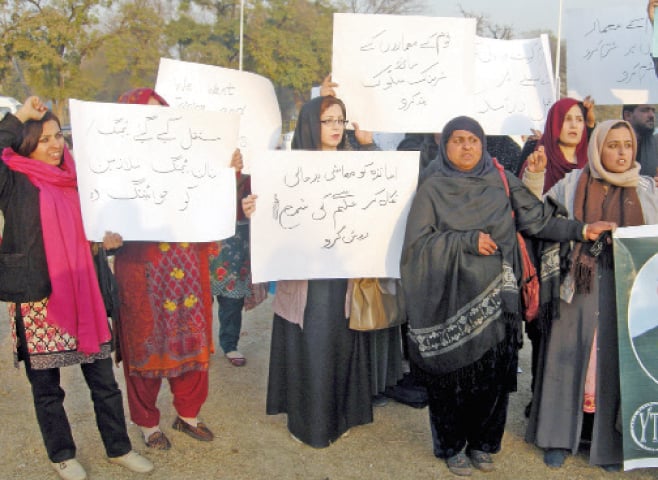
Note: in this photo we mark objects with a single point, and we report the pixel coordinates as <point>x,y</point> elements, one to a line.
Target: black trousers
<point>463,418</point>
<point>53,422</point>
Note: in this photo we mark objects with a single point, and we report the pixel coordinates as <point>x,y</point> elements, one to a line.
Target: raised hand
<point>537,161</point>
<point>32,109</point>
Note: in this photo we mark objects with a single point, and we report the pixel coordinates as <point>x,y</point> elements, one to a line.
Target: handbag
<point>373,307</point>
<point>109,288</point>
<point>106,281</point>
<point>529,287</point>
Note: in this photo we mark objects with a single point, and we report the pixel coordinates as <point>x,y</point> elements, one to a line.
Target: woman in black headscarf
<point>319,371</point>
<point>460,272</point>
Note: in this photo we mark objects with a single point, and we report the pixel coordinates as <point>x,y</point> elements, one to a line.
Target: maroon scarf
<point>558,166</point>
<point>140,96</point>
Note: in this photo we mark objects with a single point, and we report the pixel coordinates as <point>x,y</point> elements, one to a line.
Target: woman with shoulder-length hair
<point>460,272</point>
<point>47,276</point>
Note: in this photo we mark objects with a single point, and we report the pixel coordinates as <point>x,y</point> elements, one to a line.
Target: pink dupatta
<point>75,304</point>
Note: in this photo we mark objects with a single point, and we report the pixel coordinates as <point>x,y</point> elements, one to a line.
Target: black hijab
<point>442,164</point>
<point>307,131</point>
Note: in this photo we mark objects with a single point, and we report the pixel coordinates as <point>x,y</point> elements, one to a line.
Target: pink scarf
<point>75,304</point>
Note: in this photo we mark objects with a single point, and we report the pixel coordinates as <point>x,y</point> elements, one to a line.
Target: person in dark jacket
<point>47,276</point>
<point>643,120</point>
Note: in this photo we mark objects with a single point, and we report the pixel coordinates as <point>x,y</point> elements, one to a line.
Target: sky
<point>524,15</point>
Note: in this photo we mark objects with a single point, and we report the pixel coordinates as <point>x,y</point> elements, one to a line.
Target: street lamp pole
<point>557,54</point>
<point>241,30</point>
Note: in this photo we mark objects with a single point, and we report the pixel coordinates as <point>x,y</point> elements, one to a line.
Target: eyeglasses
<point>336,122</point>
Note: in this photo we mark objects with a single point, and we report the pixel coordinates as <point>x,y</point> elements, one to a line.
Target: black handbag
<point>109,288</point>
<point>106,282</point>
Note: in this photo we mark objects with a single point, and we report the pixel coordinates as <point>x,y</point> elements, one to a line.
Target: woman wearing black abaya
<point>460,272</point>
<point>318,367</point>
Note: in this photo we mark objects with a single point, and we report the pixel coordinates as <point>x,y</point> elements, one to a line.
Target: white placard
<point>154,173</point>
<point>641,231</point>
<point>610,55</point>
<point>196,86</point>
<point>413,74</point>
<point>330,214</point>
<point>514,86</point>
<point>402,73</point>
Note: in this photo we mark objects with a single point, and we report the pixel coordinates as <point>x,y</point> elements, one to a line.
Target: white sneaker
<point>70,470</point>
<point>134,462</point>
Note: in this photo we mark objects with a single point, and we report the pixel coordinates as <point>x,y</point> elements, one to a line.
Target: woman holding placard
<point>47,275</point>
<point>319,372</point>
<point>166,324</point>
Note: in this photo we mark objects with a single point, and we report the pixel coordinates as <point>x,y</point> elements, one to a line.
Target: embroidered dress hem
<point>43,361</point>
<point>171,372</point>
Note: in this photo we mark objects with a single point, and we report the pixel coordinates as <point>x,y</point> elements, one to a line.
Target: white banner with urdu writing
<point>330,214</point>
<point>413,74</point>
<point>610,54</point>
<point>514,86</point>
<point>154,173</point>
<point>188,85</point>
<point>399,73</point>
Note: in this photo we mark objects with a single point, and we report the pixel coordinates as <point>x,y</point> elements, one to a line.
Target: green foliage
<point>289,41</point>
<point>206,31</point>
<point>131,52</point>
<point>47,42</point>
<point>212,44</point>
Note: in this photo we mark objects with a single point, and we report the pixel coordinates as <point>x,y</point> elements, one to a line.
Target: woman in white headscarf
<point>570,399</point>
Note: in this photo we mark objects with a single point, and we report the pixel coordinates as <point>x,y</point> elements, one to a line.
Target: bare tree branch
<point>397,7</point>
<point>486,28</point>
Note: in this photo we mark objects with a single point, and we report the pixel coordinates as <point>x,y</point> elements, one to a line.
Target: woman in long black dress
<point>318,366</point>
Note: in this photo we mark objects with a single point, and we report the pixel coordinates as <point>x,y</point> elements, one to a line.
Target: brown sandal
<point>158,441</point>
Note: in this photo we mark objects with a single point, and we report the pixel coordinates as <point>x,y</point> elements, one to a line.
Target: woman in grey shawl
<point>460,272</point>
<point>571,401</point>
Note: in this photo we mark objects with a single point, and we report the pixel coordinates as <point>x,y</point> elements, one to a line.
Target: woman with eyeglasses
<point>319,371</point>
